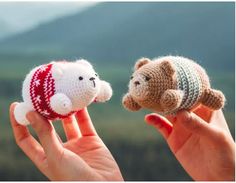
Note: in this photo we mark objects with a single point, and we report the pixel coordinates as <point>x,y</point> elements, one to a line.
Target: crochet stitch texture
<point>188,81</point>
<point>42,88</point>
<point>169,84</point>
<point>59,89</point>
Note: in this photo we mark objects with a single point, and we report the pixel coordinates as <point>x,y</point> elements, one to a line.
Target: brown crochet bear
<point>169,84</point>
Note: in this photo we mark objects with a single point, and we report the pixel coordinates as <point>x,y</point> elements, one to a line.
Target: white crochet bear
<point>59,89</point>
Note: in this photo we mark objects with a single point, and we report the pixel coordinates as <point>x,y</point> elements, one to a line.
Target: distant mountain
<point>16,17</point>
<point>119,33</point>
<point>5,29</point>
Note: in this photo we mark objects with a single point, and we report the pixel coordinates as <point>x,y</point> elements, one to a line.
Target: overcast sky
<point>21,16</point>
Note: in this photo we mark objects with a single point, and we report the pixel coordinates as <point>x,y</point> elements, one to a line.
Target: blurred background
<point>113,36</point>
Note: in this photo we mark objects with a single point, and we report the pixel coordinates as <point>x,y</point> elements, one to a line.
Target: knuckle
<point>191,123</point>
<point>19,139</point>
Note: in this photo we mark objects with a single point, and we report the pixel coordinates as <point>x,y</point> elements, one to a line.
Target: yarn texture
<point>169,84</point>
<point>59,89</point>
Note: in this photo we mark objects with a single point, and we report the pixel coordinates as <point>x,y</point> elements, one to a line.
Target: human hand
<point>201,142</point>
<point>83,157</point>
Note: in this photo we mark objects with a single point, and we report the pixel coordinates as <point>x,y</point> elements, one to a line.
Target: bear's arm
<point>105,92</point>
<point>130,104</point>
<point>171,100</point>
<point>61,104</point>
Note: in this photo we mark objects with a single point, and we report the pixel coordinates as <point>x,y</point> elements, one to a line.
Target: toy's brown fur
<point>154,86</point>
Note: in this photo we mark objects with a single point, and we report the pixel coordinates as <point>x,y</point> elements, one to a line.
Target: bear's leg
<point>20,112</point>
<point>130,104</point>
<point>171,100</point>
<point>214,99</point>
<point>61,104</point>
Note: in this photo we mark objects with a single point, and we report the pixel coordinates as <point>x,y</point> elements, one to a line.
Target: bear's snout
<point>92,79</point>
<point>136,83</point>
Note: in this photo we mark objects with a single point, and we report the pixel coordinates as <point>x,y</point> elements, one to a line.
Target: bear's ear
<point>167,67</point>
<point>58,70</point>
<point>84,62</point>
<point>141,62</point>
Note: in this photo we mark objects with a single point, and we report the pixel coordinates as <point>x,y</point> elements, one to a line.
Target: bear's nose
<point>136,83</point>
<point>92,78</point>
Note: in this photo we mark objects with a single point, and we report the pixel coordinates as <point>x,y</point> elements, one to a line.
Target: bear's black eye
<point>81,78</point>
<point>96,74</point>
<point>131,77</point>
<point>147,78</point>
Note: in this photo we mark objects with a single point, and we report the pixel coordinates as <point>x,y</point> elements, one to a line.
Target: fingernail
<point>13,104</point>
<point>154,119</point>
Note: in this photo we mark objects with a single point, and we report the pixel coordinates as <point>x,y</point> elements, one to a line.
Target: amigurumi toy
<point>169,84</point>
<point>59,89</point>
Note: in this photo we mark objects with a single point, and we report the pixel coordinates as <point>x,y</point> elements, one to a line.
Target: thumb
<point>195,124</point>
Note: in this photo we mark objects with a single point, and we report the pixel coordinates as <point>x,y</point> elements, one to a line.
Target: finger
<point>71,128</point>
<point>85,123</point>
<point>196,125</point>
<point>203,112</point>
<point>160,123</point>
<point>46,134</point>
<point>26,142</point>
<point>218,119</point>
<point>59,138</point>
<point>171,118</point>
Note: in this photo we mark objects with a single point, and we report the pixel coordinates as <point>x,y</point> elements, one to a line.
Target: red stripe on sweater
<point>42,88</point>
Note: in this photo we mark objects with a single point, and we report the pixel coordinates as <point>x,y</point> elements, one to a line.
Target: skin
<point>82,157</point>
<point>201,142</point>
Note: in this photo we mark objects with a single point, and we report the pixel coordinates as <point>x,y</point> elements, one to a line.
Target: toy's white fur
<point>61,104</point>
<point>72,94</point>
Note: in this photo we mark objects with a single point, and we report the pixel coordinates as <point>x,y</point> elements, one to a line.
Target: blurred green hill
<point>119,33</point>
<point>112,36</point>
